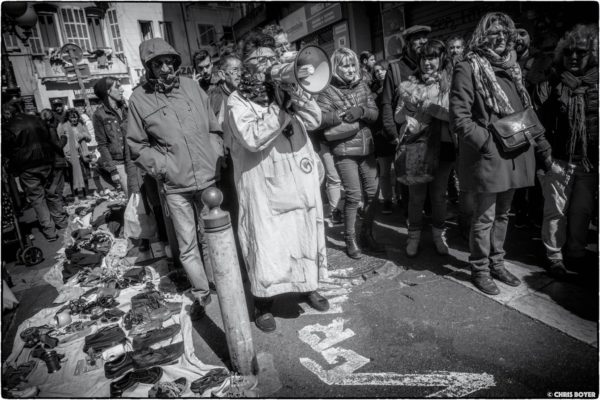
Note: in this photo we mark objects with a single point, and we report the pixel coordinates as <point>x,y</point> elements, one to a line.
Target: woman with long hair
<point>281,227</point>
<point>76,151</point>
<point>349,109</point>
<point>486,86</point>
<point>422,113</point>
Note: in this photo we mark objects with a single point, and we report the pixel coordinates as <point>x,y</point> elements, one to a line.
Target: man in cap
<point>414,38</point>
<point>169,134</point>
<point>59,111</point>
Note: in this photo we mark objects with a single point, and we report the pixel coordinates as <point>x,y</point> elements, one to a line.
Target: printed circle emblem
<point>306,165</point>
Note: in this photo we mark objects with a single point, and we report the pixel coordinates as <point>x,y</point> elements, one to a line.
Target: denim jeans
<point>465,209</point>
<point>437,194</point>
<point>568,209</point>
<point>358,173</point>
<point>41,188</point>
<point>333,182</point>
<point>488,230</point>
<point>186,210</point>
<point>386,179</point>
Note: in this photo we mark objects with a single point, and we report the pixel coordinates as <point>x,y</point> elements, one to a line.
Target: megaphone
<point>311,70</point>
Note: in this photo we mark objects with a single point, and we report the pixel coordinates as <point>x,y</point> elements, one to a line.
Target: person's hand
<point>196,76</point>
<point>553,167</point>
<point>412,124</point>
<point>353,114</point>
<point>115,178</point>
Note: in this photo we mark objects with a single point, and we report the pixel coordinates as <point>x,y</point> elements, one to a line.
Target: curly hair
<point>338,57</point>
<point>480,34</point>
<point>255,39</point>
<point>70,112</point>
<point>580,34</point>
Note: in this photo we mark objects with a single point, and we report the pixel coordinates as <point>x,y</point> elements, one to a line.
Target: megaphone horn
<point>311,70</point>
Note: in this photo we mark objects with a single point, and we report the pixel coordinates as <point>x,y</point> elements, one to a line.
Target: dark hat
<point>416,29</point>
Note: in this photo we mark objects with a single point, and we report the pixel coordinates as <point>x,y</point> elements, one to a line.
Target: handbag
<point>341,131</point>
<point>138,223</point>
<point>517,130</point>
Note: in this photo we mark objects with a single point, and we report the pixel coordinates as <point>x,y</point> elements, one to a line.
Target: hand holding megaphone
<point>310,69</point>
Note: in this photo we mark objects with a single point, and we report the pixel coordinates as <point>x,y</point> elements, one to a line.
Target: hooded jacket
<point>172,135</point>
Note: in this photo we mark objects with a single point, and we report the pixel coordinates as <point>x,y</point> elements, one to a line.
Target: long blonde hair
<point>338,57</point>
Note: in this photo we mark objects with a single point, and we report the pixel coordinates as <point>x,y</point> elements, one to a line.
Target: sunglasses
<point>578,52</point>
<point>159,63</point>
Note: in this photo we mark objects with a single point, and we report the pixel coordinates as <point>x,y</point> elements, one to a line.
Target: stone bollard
<point>228,282</point>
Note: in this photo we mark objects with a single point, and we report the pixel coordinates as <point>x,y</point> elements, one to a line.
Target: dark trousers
<point>40,186</point>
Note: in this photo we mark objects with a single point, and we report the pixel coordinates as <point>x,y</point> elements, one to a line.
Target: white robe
<point>281,226</point>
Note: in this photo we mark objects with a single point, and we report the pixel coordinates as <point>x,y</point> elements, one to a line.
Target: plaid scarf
<point>481,62</point>
<point>573,96</point>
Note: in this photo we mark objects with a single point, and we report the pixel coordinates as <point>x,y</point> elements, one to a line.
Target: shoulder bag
<point>517,130</point>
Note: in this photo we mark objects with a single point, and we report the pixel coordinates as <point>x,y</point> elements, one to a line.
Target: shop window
<point>206,34</point>
<point>11,41</point>
<point>48,32</point>
<point>115,32</point>
<point>166,31</point>
<point>96,35</point>
<point>146,30</point>
<point>75,27</point>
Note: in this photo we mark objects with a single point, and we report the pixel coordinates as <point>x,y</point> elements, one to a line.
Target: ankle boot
<point>352,248</point>
<point>439,240</point>
<point>412,244</point>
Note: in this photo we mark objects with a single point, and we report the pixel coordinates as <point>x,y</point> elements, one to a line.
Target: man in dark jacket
<point>31,152</point>
<point>169,134</point>
<point>414,37</point>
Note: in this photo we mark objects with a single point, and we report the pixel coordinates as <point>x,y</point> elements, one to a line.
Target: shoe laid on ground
<point>265,321</point>
<point>317,301</point>
<point>168,390</point>
<point>118,367</point>
<point>557,269</point>
<point>213,378</point>
<point>386,209</point>
<point>152,357</point>
<point>485,283</point>
<point>158,335</point>
<point>504,276</point>
<point>132,378</point>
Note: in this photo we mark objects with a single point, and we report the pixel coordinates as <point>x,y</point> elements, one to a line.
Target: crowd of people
<point>476,119</point>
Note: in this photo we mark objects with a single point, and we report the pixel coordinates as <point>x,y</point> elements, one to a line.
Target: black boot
<point>352,248</point>
<point>366,232</point>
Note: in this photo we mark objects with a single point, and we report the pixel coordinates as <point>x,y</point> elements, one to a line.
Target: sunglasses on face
<point>159,63</point>
<point>578,52</point>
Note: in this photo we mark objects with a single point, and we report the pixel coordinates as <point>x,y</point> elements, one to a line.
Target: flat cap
<point>416,29</point>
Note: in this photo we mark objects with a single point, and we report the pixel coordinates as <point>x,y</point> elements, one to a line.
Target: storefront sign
<point>89,91</point>
<point>310,18</point>
<point>340,35</point>
<point>29,105</point>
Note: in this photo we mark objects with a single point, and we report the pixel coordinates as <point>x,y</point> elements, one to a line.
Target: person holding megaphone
<point>281,226</point>
<point>348,110</point>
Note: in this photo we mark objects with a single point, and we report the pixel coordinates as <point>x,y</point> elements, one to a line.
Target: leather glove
<point>353,114</point>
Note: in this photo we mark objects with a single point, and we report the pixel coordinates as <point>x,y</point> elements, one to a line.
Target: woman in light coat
<point>281,227</point>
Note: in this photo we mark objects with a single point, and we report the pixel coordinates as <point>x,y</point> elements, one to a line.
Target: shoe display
<point>152,357</point>
<point>317,301</point>
<point>504,276</point>
<point>213,378</point>
<point>118,367</point>
<point>154,336</point>
<point>486,284</point>
<point>132,378</point>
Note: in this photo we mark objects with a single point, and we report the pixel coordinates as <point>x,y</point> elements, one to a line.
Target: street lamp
<point>15,15</point>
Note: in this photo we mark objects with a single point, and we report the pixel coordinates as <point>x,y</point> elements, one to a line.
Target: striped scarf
<point>481,62</point>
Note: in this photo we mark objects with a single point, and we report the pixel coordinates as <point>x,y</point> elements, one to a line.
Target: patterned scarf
<point>573,96</point>
<point>486,84</point>
<point>161,86</point>
<point>255,90</point>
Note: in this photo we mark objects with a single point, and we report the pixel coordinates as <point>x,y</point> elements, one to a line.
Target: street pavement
<point>401,327</point>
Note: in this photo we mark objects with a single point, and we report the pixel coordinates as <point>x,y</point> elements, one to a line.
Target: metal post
<point>79,78</point>
<point>228,282</point>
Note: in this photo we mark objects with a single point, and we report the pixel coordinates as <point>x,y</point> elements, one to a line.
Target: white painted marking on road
<point>334,333</point>
<point>457,384</point>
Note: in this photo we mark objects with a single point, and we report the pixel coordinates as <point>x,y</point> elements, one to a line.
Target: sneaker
<point>386,209</point>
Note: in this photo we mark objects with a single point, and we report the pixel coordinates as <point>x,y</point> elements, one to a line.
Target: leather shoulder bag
<point>517,130</point>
